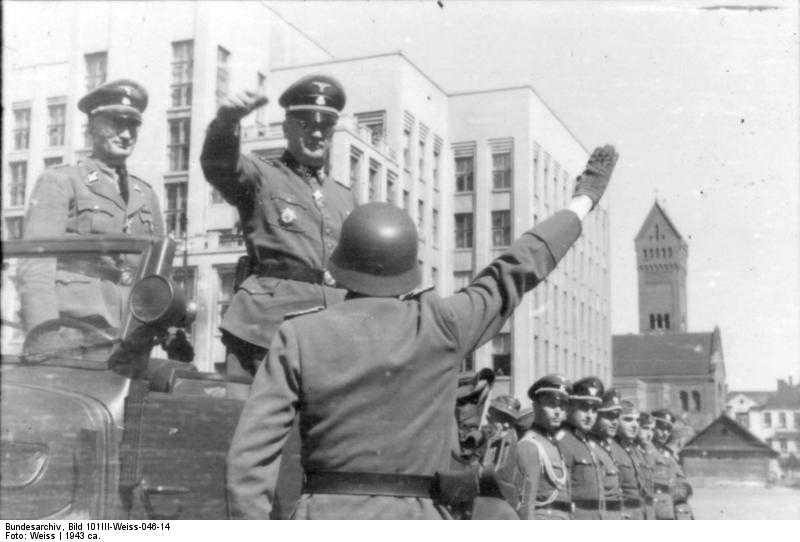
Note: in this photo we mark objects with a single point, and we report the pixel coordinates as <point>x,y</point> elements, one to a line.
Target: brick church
<point>664,365</point>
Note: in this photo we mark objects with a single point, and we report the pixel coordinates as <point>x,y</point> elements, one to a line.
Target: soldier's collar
<point>97,163</point>
<point>302,170</point>
<point>546,431</point>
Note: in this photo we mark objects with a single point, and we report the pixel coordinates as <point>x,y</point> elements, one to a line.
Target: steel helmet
<point>377,252</point>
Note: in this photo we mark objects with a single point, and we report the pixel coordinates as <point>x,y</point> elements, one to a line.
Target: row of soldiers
<point>584,453</point>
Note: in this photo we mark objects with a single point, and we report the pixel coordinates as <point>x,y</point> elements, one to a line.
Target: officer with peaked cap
<point>97,195</point>
<point>672,489</point>
<point>603,433</point>
<point>547,489</point>
<point>374,379</point>
<point>580,452</point>
<point>631,463</point>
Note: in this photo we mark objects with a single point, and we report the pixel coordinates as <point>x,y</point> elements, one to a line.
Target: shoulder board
<point>560,435</point>
<point>139,179</point>
<point>295,314</point>
<point>415,293</point>
<point>341,183</point>
<point>274,162</point>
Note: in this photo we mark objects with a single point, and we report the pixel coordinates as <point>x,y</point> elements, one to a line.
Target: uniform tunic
<point>546,493</point>
<point>669,481</point>
<point>374,382</point>
<point>647,452</point>
<point>288,216</point>
<point>631,477</point>
<point>586,475</point>
<point>82,199</point>
<point>612,489</point>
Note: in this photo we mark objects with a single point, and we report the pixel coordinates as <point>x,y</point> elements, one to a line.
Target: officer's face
<point>645,434</point>
<point>114,137</point>
<point>629,426</point>
<point>549,410</point>
<point>582,414</point>
<point>662,432</point>
<point>607,423</point>
<point>309,135</point>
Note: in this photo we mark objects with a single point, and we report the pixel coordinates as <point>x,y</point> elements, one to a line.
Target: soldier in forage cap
<point>580,452</point>
<point>373,380</point>
<point>97,195</point>
<point>644,441</point>
<point>603,433</point>
<point>546,494</point>
<point>672,489</point>
<point>290,209</point>
<point>631,462</point>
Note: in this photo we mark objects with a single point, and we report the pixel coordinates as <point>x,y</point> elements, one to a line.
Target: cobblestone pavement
<point>746,502</point>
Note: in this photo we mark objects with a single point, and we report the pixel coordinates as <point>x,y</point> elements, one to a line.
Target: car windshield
<point>65,302</point>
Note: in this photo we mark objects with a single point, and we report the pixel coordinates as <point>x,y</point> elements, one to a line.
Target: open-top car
<point>92,425</point>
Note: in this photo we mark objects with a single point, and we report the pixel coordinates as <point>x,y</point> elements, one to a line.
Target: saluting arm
<point>254,458</point>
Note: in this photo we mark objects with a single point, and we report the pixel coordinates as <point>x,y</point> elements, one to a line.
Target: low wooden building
<point>726,452</point>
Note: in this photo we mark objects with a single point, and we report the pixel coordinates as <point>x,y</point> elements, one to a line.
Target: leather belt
<point>614,506</point>
<point>558,505</point>
<point>588,504</point>
<point>369,483</point>
<point>292,271</point>
<point>661,488</point>
<point>648,501</point>
<point>92,269</point>
<point>632,503</point>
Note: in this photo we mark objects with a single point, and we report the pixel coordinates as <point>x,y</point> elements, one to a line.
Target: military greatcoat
<point>291,220</point>
<point>83,199</point>
<point>374,381</point>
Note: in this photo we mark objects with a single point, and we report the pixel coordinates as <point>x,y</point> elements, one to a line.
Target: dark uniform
<point>631,464</point>
<point>374,383</point>
<point>672,489</point>
<point>88,198</point>
<point>647,453</point>
<point>547,493</point>
<point>612,489</point>
<point>291,216</point>
<point>580,453</point>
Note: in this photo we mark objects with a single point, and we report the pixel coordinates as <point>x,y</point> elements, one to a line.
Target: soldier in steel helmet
<point>603,433</point>
<point>291,211</point>
<point>672,489</point>
<point>373,379</point>
<point>95,196</point>
<point>547,488</point>
<point>580,451</point>
<point>631,463</point>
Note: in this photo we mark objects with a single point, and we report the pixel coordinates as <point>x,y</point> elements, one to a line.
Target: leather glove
<point>234,107</point>
<point>594,180</point>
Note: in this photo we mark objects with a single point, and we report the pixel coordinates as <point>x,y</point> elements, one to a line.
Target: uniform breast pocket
<point>584,471</point>
<point>287,212</point>
<point>96,218</point>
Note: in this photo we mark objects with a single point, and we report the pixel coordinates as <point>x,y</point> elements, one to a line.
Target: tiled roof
<point>663,354</point>
<point>760,397</point>
<point>726,436</point>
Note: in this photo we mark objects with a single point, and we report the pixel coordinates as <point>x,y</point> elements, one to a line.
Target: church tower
<point>661,255</point>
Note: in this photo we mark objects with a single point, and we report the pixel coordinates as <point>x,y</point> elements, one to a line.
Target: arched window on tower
<point>666,321</point>
<point>669,252</point>
<point>659,321</point>
<point>684,401</point>
<point>696,400</point>
<point>652,321</point>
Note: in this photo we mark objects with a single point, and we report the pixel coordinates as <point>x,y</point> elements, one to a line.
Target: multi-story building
<point>664,366</point>
<point>473,169</point>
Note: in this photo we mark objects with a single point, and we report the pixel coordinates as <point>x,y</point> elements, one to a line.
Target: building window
<point>175,213</point>
<point>53,161</point>
<point>783,445</point>
<point>435,277</point>
<point>261,88</point>
<point>468,363</point>
<point>372,122</point>
<point>652,318</point>
<point>96,64</point>
<point>768,419</point>
<point>185,278</point>
<point>659,321</point>
<point>374,175</point>
<point>742,419</point>
<point>696,400</point>
<point>391,186</point>
<point>56,126</point>
<point>178,149</point>
<point>355,168</point>
<point>461,279</point>
<point>226,276</point>
<point>420,216</point>
<point>501,171</point>
<point>182,73</point>
<point>406,199</point>
<point>501,228</point>
<point>223,73</point>
<point>501,354</point>
<point>437,154</point>
<point>464,229</point>
<point>14,227</point>
<point>435,227</point>
<point>19,180</point>
<point>782,420</point>
<point>421,158</point>
<point>684,401</point>
<point>666,321</point>
<point>464,173</point>
<point>22,129</point>
<point>407,149</point>
<point>797,420</point>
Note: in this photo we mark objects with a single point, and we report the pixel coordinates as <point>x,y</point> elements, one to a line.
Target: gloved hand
<point>594,180</point>
<point>235,107</point>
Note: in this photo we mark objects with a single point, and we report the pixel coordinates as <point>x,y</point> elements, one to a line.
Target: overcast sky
<point>701,103</point>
